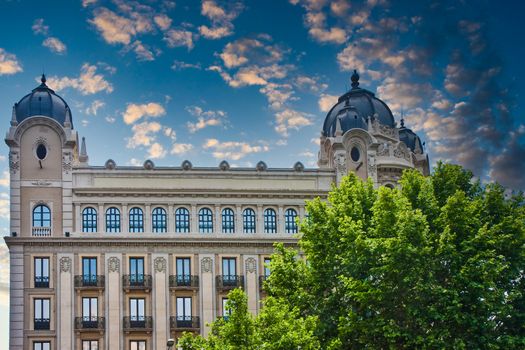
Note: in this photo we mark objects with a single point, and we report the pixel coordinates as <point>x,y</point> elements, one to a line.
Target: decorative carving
<point>67,160</point>
<point>110,164</point>
<point>402,151</point>
<point>186,165</point>
<point>14,162</point>
<point>251,265</point>
<point>261,166</point>
<point>113,264</point>
<point>372,167</point>
<point>340,164</point>
<point>383,150</point>
<point>160,264</point>
<point>206,265</point>
<point>149,165</point>
<point>65,264</point>
<point>298,166</point>
<point>41,183</point>
<point>224,165</point>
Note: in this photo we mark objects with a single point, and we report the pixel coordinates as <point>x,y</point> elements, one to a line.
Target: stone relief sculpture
<point>160,264</point>
<point>251,265</point>
<point>206,265</point>
<point>113,264</point>
<point>65,264</point>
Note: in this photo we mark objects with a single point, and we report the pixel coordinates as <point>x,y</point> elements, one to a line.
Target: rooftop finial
<point>402,117</point>
<point>83,157</point>
<point>355,80</point>
<point>43,78</point>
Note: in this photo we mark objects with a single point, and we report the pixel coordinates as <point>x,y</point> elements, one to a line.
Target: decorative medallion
<point>160,264</point>
<point>65,264</point>
<point>113,264</point>
<point>251,265</point>
<point>206,265</point>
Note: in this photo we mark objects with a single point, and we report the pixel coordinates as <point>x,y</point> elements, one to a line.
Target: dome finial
<point>355,80</point>
<point>43,79</point>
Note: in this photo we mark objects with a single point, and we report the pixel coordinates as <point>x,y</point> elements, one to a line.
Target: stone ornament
<point>113,264</point>
<point>186,165</point>
<point>206,265</point>
<point>148,165</point>
<point>298,166</point>
<point>14,162</point>
<point>261,166</point>
<point>67,161</point>
<point>110,164</point>
<point>251,265</point>
<point>65,264</point>
<point>160,264</point>
<point>224,165</point>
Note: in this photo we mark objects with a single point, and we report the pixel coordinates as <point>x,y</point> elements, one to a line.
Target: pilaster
<point>114,301</point>
<point>65,301</point>
<point>16,297</point>
<point>207,291</point>
<point>160,299</point>
<point>250,280</point>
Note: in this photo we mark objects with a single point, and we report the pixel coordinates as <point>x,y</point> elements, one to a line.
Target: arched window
<point>182,220</point>
<point>290,225</point>
<point>112,220</point>
<point>41,216</point>
<point>89,220</point>
<point>158,220</point>
<point>136,220</point>
<point>248,220</point>
<point>228,221</point>
<point>205,221</point>
<point>270,221</point>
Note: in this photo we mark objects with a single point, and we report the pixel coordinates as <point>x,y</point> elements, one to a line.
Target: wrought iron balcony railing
<point>137,281</point>
<point>229,281</point>
<point>184,281</point>
<point>185,322</point>
<point>138,323</point>
<point>90,323</point>
<point>41,282</point>
<point>41,324</point>
<point>89,281</point>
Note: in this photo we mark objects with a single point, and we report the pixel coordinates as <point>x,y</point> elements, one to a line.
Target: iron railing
<point>41,324</point>
<point>41,282</point>
<point>184,281</point>
<point>185,322</point>
<point>229,281</point>
<point>90,322</point>
<point>136,281</point>
<point>138,323</point>
<point>89,281</point>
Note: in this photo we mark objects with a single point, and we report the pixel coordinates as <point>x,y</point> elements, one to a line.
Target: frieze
<point>113,264</point>
<point>206,265</point>
<point>251,265</point>
<point>160,264</point>
<point>65,264</point>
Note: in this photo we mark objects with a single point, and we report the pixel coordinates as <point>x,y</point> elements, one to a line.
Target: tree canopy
<point>435,264</point>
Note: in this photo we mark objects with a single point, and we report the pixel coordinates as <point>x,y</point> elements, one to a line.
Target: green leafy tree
<point>436,264</point>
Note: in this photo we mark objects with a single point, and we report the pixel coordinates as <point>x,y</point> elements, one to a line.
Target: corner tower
<point>360,135</point>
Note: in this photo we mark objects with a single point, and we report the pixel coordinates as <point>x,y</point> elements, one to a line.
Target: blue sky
<point>252,80</point>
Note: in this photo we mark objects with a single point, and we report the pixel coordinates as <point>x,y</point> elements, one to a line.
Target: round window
<point>355,154</point>
<point>41,151</point>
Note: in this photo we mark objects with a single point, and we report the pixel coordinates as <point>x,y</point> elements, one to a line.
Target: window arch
<point>290,225</point>
<point>182,220</point>
<point>89,220</point>
<point>248,220</point>
<point>159,220</point>
<point>228,221</point>
<point>41,216</point>
<point>205,220</point>
<point>112,220</point>
<point>136,220</point>
<point>270,221</point>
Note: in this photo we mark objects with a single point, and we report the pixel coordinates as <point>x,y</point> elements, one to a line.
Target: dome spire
<point>43,79</point>
<point>355,80</point>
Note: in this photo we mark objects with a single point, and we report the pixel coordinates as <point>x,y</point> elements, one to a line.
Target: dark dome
<point>354,108</point>
<point>42,101</point>
<point>410,139</point>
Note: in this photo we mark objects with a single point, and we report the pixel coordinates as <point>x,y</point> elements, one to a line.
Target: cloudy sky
<point>252,80</point>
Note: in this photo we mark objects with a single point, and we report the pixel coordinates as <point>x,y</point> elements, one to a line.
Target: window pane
<point>290,217</point>
<point>270,221</point>
<point>205,221</point>
<point>41,216</point>
<point>248,218</point>
<point>228,221</point>
<point>136,220</point>
<point>225,311</point>
<point>266,267</point>
<point>112,220</point>
<point>159,221</point>
<point>89,220</point>
<point>182,220</point>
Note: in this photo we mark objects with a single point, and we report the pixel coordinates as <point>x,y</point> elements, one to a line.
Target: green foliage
<point>436,264</point>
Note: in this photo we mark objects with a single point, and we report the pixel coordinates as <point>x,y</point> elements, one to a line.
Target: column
<point>171,218</point>
<point>280,220</point>
<point>125,222</point>
<point>207,291</point>
<point>147,219</point>
<point>16,297</point>
<point>260,220</point>
<point>218,220</point>
<point>194,219</point>
<point>250,282</point>
<point>100,219</point>
<point>64,302</point>
<point>160,300</point>
<point>238,219</point>
<point>114,297</point>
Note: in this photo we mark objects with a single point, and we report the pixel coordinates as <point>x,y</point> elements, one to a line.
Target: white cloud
<point>179,37</point>
<point>111,119</point>
<point>9,63</point>
<point>156,151</point>
<point>290,119</point>
<point>86,3</point>
<point>205,118</point>
<point>215,32</point>
<point>39,27</point>
<point>163,21</point>
<point>242,51</point>
<point>143,134</point>
<point>253,75</point>
<point>135,162</point>
<point>181,148</point>
<point>117,29</point>
<point>89,82</point>
<point>4,205</point>
<point>233,150</point>
<point>4,180</point>
<point>94,107</point>
<point>326,102</point>
<point>332,35</point>
<point>55,45</point>
<point>180,65</point>
<point>220,18</point>
<point>310,84</point>
<point>135,111</point>
<point>142,51</point>
<point>277,94</point>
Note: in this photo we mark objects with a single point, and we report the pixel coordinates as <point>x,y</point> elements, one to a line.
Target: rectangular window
<point>184,312</point>
<point>137,311</point>
<point>137,345</point>
<point>225,309</point>
<point>183,271</point>
<point>89,344</point>
<point>136,271</point>
<point>89,271</point>
<point>266,267</point>
<point>229,270</point>
<point>41,345</point>
<point>89,312</point>
<point>42,312</point>
<point>41,272</point>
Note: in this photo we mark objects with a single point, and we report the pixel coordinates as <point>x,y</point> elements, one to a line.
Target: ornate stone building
<point>119,257</point>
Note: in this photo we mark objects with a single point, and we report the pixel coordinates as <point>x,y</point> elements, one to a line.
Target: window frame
<point>228,220</point>
<point>113,219</point>
<point>205,226</point>
<point>136,220</point>
<point>41,344</point>
<point>89,219</point>
<point>138,343</point>
<point>270,221</point>
<point>42,275</point>
<point>182,220</point>
<point>249,221</point>
<point>42,220</point>
<point>90,344</point>
<point>44,310</point>
<point>159,220</point>
<point>290,223</point>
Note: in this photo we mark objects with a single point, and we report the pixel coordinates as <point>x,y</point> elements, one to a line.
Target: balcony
<point>89,281</point>
<point>41,281</point>
<point>227,282</point>
<point>185,323</point>
<point>184,282</point>
<point>38,231</point>
<point>90,323</point>
<point>41,324</point>
<point>137,281</point>
<point>138,323</point>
